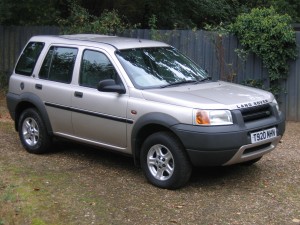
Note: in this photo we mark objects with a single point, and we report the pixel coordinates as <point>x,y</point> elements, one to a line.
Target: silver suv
<point>141,98</point>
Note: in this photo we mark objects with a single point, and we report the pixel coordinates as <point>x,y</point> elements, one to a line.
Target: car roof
<point>92,39</point>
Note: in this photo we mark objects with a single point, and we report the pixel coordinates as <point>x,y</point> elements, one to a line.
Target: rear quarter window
<point>28,58</point>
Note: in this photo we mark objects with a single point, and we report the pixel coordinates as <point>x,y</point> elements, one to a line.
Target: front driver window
<point>95,67</point>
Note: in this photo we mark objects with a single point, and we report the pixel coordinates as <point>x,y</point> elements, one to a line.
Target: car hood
<point>210,95</point>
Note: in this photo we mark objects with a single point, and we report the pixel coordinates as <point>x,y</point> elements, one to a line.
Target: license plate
<point>263,135</point>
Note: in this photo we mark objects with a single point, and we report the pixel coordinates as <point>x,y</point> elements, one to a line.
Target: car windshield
<point>159,67</point>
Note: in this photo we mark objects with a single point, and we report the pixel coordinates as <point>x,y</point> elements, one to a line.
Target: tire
<point>164,161</point>
<point>33,133</point>
<point>251,162</point>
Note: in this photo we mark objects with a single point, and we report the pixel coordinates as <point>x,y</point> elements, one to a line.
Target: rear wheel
<point>164,161</point>
<point>32,132</point>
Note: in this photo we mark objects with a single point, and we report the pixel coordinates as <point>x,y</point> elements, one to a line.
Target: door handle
<point>38,86</point>
<point>78,94</point>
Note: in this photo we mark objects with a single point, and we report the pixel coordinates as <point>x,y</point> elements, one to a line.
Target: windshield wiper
<point>179,83</point>
<point>187,82</point>
<point>204,79</point>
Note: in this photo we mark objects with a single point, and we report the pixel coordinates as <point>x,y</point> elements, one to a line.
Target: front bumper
<point>226,145</point>
<point>253,151</point>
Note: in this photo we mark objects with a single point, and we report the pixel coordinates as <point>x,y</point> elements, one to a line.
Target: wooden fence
<point>217,54</point>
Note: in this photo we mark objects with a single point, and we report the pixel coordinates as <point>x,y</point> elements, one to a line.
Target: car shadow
<point>234,176</point>
<point>92,155</point>
<point>201,177</point>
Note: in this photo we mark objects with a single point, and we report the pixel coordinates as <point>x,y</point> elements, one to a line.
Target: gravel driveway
<point>78,185</point>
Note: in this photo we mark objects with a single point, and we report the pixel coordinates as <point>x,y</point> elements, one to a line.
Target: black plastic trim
<point>95,114</point>
<point>155,119</point>
<point>14,101</point>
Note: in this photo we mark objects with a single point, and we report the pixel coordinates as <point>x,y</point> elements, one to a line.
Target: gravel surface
<point>76,184</point>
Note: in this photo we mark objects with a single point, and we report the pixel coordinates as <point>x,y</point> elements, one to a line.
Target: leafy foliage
<point>270,36</point>
<point>154,33</point>
<point>188,14</point>
<point>110,22</point>
<point>81,21</point>
<point>78,20</point>
<point>290,7</point>
<point>30,12</point>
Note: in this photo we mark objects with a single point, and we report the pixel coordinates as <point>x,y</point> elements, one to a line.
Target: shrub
<point>81,21</point>
<point>77,22</point>
<point>270,36</point>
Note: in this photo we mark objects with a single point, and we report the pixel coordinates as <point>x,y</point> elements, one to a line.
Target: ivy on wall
<point>271,37</point>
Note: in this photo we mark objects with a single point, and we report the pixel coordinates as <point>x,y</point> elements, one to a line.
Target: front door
<point>99,117</point>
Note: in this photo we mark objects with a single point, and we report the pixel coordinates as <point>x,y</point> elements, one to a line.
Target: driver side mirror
<point>110,85</point>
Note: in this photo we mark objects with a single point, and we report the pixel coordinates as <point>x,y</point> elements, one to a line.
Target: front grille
<point>256,113</point>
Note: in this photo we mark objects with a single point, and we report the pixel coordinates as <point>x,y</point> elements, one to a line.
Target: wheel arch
<point>147,125</point>
<point>29,100</point>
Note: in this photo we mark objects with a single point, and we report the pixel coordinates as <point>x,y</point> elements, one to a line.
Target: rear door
<point>99,117</point>
<point>53,86</point>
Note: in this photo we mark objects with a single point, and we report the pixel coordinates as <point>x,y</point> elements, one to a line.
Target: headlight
<point>276,103</point>
<point>212,117</point>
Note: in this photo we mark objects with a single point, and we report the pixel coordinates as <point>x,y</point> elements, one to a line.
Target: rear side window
<point>29,57</point>
<point>59,64</point>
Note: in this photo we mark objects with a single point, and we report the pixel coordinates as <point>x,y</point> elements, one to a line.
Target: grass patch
<point>36,195</point>
<point>8,195</point>
<point>30,199</point>
<point>37,221</point>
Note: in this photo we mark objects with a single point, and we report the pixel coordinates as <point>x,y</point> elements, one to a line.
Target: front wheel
<point>32,132</point>
<point>164,161</point>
